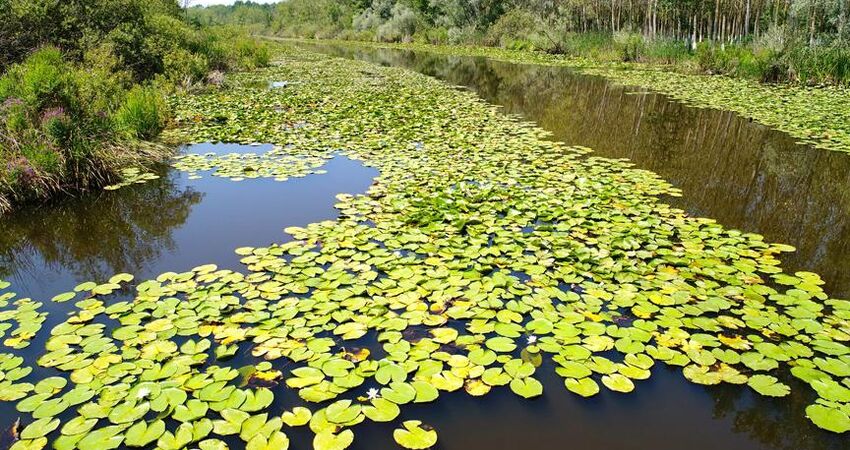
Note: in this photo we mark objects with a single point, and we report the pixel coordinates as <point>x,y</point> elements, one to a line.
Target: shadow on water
<point>741,173</point>
<point>169,224</point>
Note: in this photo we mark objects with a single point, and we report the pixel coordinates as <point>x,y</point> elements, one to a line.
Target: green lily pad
<point>415,435</point>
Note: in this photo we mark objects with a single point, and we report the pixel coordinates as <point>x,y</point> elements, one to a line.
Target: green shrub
<point>739,60</point>
<point>516,29</point>
<point>40,81</point>
<point>184,67</point>
<point>399,27</point>
<point>599,46</point>
<point>63,125</point>
<point>251,53</point>
<point>228,48</point>
<point>468,35</point>
<point>818,64</point>
<point>666,51</point>
<point>631,46</point>
<point>143,114</point>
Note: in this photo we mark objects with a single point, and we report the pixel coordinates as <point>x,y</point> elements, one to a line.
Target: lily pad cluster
<point>20,319</point>
<point>816,115</point>
<point>278,164</point>
<point>483,254</point>
<point>130,176</point>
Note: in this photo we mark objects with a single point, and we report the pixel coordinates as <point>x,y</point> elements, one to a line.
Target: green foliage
<point>400,26</point>
<point>827,63</point>
<point>257,16</point>
<point>71,118</point>
<point>143,113</point>
<point>731,60</point>
<point>314,18</point>
<point>64,126</point>
<point>808,40</point>
<point>517,29</point>
<point>632,46</point>
<point>44,120</point>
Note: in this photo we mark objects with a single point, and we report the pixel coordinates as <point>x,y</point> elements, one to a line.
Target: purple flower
<point>12,101</point>
<point>53,113</point>
<point>22,166</point>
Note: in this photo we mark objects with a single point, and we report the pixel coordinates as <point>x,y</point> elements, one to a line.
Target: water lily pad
<point>830,419</point>
<point>142,433</point>
<point>299,416</point>
<point>327,440</point>
<point>768,385</point>
<point>618,383</point>
<point>415,435</point>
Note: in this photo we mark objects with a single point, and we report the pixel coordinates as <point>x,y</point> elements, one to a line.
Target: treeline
<point>84,82</point>
<point>254,16</point>
<point>771,40</point>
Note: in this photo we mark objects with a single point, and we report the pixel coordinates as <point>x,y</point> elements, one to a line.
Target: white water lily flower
<point>531,339</point>
<point>143,392</point>
<point>372,394</point>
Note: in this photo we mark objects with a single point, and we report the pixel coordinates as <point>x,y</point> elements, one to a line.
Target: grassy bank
<point>72,119</point>
<point>818,115</point>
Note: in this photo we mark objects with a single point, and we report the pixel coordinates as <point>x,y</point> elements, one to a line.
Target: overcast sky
<point>225,2</point>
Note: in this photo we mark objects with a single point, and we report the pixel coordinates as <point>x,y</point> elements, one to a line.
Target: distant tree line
<point>772,40</point>
<point>240,13</point>
<point>718,20</point>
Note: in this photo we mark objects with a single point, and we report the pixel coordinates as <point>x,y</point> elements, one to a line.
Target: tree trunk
<point>747,20</point>
<point>812,26</point>
<point>716,31</point>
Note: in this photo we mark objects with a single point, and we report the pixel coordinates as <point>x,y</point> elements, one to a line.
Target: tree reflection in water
<point>742,174</point>
<point>96,235</point>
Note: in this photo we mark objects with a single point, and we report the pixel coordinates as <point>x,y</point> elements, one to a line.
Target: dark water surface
<point>741,173</point>
<point>169,224</point>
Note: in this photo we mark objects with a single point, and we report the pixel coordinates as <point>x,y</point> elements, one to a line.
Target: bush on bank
<point>71,119</point>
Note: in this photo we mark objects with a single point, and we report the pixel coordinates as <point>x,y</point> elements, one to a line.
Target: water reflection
<point>170,224</point>
<point>95,236</point>
<point>733,170</point>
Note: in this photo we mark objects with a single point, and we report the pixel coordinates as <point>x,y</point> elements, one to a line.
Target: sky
<point>225,2</point>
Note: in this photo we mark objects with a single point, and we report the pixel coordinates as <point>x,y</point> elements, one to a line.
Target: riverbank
<point>83,89</point>
<point>819,116</point>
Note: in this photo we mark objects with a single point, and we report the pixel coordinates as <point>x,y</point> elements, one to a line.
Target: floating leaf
<point>415,435</point>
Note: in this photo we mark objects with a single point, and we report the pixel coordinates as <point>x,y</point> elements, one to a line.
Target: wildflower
<point>143,392</point>
<point>372,394</point>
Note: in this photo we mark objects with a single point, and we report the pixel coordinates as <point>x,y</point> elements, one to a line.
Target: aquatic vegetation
<point>482,254</point>
<point>23,314</point>
<point>130,176</point>
<point>817,115</point>
<point>276,164</point>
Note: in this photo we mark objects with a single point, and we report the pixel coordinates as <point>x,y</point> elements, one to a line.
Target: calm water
<point>738,172</point>
<point>169,224</point>
<point>175,224</point>
<point>744,175</point>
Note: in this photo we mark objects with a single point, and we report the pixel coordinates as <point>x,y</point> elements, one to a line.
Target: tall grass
<point>72,119</point>
<point>65,127</point>
<point>143,114</point>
